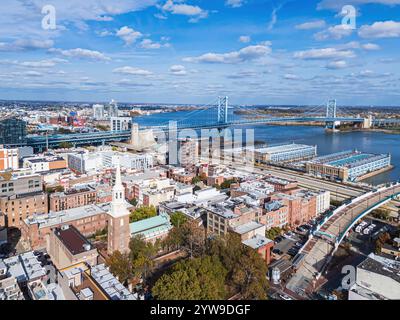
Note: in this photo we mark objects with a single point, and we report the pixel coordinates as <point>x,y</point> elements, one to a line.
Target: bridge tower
<point>223,110</point>
<point>331,113</point>
<point>331,109</point>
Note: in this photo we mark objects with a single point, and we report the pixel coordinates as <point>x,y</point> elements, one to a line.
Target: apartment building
<point>73,198</point>
<point>9,159</point>
<point>15,209</point>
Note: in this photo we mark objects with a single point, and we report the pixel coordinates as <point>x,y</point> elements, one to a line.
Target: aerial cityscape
<point>232,150</point>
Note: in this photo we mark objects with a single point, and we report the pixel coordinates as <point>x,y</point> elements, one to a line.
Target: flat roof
<point>65,216</point>
<point>381,265</point>
<point>73,239</point>
<point>247,227</point>
<point>257,241</point>
<point>283,148</point>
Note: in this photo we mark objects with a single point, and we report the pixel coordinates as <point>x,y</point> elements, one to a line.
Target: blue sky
<point>177,51</point>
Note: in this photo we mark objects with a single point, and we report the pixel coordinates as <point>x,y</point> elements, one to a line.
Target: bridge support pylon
<point>223,109</point>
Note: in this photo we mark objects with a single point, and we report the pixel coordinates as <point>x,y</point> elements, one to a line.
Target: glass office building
<point>12,132</point>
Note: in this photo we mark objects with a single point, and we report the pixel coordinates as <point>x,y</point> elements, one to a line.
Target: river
<point>370,142</point>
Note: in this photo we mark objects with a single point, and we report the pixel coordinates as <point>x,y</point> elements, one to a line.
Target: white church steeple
<point>118,204</point>
<point>118,221</point>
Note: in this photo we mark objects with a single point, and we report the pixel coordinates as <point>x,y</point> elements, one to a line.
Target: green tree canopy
<point>142,213</point>
<point>178,219</point>
<point>120,266</point>
<point>196,279</point>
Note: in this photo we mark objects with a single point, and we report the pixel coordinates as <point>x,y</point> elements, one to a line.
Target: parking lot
<point>288,244</point>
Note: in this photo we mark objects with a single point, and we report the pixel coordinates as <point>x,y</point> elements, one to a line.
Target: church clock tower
<point>118,221</point>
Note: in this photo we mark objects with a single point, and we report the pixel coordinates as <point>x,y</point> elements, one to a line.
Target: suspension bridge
<point>218,114</point>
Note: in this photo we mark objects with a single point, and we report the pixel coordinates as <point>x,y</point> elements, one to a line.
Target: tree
<point>227,183</point>
<point>249,276</point>
<point>178,219</point>
<point>246,268</point>
<point>381,214</point>
<point>102,127</point>
<point>58,188</point>
<point>193,238</point>
<point>141,256</point>
<point>120,266</point>
<point>65,145</point>
<point>197,279</point>
<point>142,213</point>
<point>273,232</point>
<point>382,239</point>
<point>196,180</point>
<point>133,202</point>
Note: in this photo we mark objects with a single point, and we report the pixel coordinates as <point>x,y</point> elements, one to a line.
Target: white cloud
<point>195,12</point>
<point>380,29</point>
<point>48,63</point>
<point>81,53</point>
<point>246,54</point>
<point>244,39</point>
<point>128,35</point>
<point>132,71</point>
<point>338,4</point>
<point>105,33</point>
<point>290,76</point>
<point>317,24</point>
<point>178,70</point>
<point>325,53</point>
<point>234,3</point>
<point>338,64</point>
<point>336,32</point>
<point>370,47</point>
<point>26,44</point>
<point>149,44</point>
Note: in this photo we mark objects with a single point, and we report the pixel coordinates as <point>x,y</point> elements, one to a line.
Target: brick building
<point>72,198</point>
<point>87,219</point>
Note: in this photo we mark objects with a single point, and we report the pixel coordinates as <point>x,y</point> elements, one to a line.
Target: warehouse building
<point>348,165</point>
<point>285,153</point>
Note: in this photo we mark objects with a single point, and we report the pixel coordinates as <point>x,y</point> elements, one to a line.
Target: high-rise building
<point>98,111</point>
<point>120,123</point>
<point>113,109</point>
<point>12,132</point>
<point>118,223</point>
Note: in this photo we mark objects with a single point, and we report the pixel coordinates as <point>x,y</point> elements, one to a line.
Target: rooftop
<point>65,216</point>
<point>283,148</point>
<point>114,289</point>
<point>75,242</point>
<point>380,265</point>
<point>151,226</point>
<point>247,227</point>
<point>257,241</point>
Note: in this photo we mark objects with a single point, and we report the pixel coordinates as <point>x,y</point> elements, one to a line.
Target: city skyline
<point>257,52</point>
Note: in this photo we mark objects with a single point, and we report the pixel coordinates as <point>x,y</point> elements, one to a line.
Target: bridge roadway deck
<point>319,250</point>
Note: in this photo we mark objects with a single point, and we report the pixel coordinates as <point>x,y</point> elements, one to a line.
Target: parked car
<point>285,297</point>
